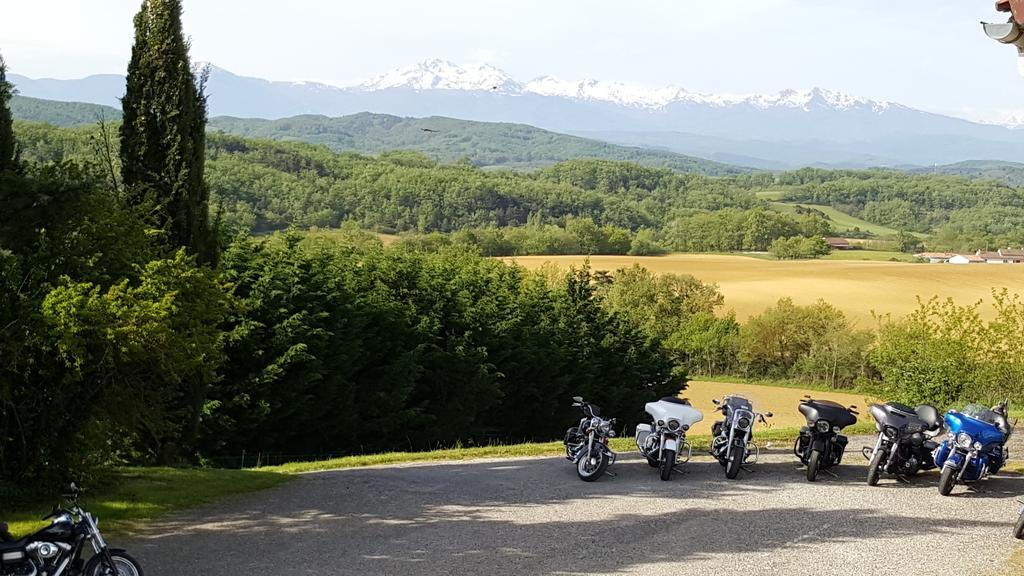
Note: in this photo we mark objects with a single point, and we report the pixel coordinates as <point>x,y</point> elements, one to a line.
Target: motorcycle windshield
<point>981,431</point>
<point>980,412</point>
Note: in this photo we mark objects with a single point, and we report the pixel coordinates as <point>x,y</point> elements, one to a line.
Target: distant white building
<point>968,259</point>
<point>1002,256</point>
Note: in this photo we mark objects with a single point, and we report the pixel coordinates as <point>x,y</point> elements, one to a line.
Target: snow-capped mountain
<point>786,129</point>
<point>437,74</point>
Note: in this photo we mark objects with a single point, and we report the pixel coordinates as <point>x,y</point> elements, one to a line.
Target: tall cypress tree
<point>163,133</point>
<point>8,145</point>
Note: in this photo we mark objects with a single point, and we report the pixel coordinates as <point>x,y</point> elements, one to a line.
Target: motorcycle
<point>976,445</point>
<point>57,550</point>
<point>731,443</point>
<point>905,440</point>
<point>820,445</point>
<point>1018,530</point>
<point>662,443</point>
<point>586,445</point>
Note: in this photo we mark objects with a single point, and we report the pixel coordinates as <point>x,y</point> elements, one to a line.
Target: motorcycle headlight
<point>605,427</point>
<point>964,440</point>
<point>661,423</point>
<point>823,426</point>
<point>673,424</point>
<point>743,423</point>
<point>890,433</point>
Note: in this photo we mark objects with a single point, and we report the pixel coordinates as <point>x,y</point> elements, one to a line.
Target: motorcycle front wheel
<point>947,480</point>
<point>1018,530</point>
<point>668,461</point>
<point>813,461</point>
<point>874,467</point>
<point>592,467</point>
<point>124,565</point>
<point>732,469</point>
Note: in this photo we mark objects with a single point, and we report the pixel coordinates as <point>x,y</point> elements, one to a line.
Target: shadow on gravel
<point>536,517</point>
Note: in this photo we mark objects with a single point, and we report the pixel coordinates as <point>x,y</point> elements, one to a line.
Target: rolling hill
<point>447,139</point>
<point>63,114</point>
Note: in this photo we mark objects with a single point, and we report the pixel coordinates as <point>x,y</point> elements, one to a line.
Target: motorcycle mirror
<point>74,488</point>
<point>808,396</point>
<point>577,399</point>
<point>769,414</point>
<point>715,401</point>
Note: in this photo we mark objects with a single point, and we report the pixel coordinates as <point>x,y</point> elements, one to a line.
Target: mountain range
<point>815,127</point>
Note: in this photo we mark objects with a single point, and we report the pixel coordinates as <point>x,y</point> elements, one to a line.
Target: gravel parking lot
<point>532,516</point>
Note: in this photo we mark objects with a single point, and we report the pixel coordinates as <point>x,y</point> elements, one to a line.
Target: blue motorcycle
<point>976,445</point>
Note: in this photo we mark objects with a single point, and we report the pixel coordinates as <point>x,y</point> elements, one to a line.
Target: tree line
<point>137,327</point>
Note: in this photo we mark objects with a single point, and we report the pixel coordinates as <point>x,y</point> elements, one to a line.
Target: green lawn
<point>840,220</point>
<point>700,443</point>
<point>129,495</point>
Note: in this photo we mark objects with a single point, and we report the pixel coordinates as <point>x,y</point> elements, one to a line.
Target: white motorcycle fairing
<point>686,415</point>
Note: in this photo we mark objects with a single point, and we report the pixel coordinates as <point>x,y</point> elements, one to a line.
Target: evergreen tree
<point>8,146</point>
<point>163,131</point>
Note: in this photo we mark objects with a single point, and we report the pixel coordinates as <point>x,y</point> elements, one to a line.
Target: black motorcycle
<point>58,549</point>
<point>731,442</point>
<point>1018,530</point>
<point>820,445</point>
<point>586,445</point>
<point>905,440</point>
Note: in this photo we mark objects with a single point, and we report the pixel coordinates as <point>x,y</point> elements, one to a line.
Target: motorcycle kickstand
<point>747,468</point>
<point>830,473</point>
<point>903,479</point>
<point>609,473</point>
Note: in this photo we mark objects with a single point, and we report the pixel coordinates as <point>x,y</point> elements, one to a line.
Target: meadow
<point>781,401</point>
<point>858,288</point>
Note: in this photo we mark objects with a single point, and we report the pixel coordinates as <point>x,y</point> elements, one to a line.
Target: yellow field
<point>856,287</point>
<point>782,402</point>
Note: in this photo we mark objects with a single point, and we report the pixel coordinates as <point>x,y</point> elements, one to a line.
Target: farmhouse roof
<point>942,255</point>
<point>987,255</point>
<point>837,241</point>
<point>1010,254</point>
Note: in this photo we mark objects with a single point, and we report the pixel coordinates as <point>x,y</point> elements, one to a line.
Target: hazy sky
<point>935,58</point>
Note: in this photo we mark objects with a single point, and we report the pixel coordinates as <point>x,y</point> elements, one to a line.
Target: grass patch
<point>774,383</point>
<point>624,444</point>
<point>128,495</point>
<point>840,220</point>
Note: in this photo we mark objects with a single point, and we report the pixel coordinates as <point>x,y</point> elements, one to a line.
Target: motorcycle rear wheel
<point>732,469</point>
<point>1018,530</point>
<point>813,461</point>
<point>947,480</point>
<point>874,467</point>
<point>668,461</point>
<point>589,471</point>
